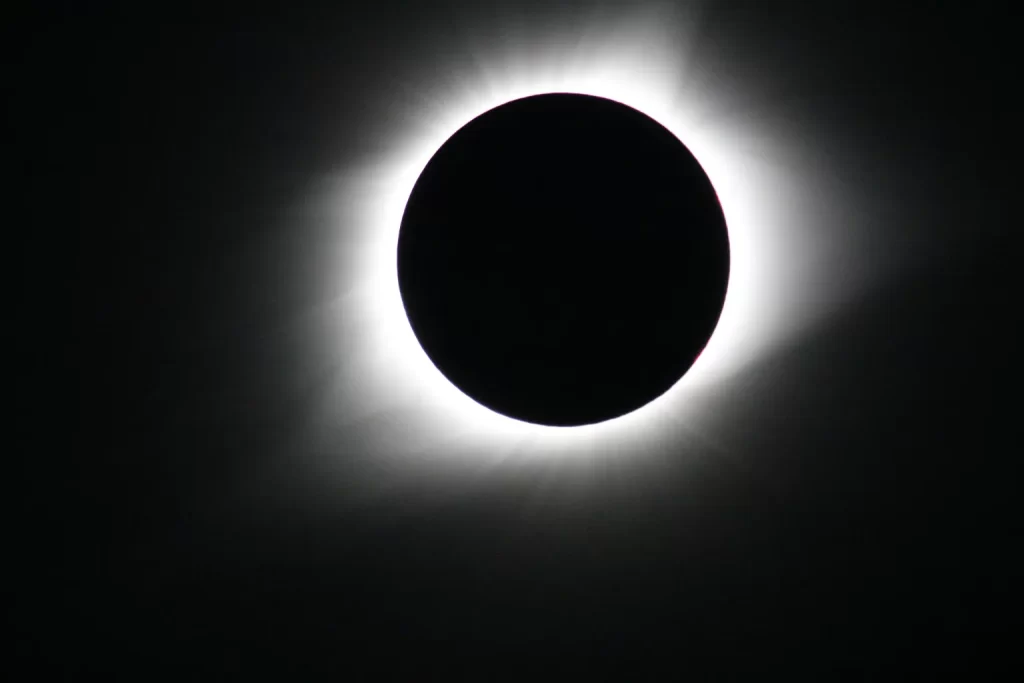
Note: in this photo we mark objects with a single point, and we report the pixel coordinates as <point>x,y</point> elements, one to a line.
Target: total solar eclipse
<point>563,259</point>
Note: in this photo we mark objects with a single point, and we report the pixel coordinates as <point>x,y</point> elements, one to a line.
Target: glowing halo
<point>388,384</point>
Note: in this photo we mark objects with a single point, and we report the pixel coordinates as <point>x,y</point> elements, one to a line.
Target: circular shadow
<point>563,259</point>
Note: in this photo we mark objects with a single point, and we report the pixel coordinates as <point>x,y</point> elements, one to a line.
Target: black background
<point>866,526</point>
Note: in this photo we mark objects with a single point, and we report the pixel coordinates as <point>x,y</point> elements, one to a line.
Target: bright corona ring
<point>386,383</point>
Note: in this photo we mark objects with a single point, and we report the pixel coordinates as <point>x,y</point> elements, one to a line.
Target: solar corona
<point>573,246</point>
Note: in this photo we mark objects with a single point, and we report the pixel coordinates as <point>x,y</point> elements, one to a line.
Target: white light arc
<point>386,385</point>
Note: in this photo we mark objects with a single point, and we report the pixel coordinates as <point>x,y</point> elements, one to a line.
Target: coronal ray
<point>789,264</point>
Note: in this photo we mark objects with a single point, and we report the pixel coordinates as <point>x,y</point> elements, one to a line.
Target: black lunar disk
<point>563,259</point>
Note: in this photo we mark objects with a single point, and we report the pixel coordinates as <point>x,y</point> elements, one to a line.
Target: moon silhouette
<point>563,259</point>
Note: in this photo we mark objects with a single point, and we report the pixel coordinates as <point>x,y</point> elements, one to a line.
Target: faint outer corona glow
<point>386,376</point>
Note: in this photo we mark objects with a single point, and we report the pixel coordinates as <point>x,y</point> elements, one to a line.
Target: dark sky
<point>861,519</point>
